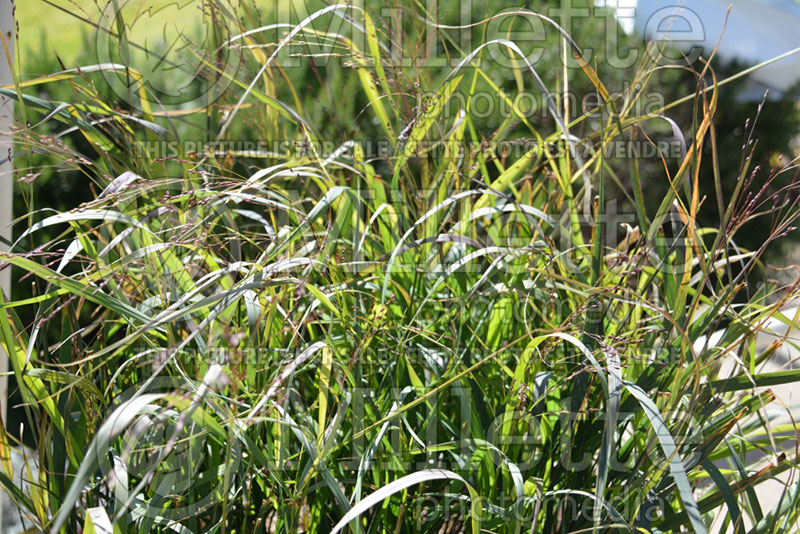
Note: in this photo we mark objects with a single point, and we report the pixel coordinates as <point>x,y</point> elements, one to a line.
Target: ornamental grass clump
<point>425,327</point>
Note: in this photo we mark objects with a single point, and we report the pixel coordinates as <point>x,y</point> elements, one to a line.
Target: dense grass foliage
<point>464,331</point>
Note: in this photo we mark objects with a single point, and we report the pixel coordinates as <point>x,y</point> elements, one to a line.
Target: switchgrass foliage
<point>428,340</point>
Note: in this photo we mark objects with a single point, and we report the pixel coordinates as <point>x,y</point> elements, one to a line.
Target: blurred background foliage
<point>58,34</point>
